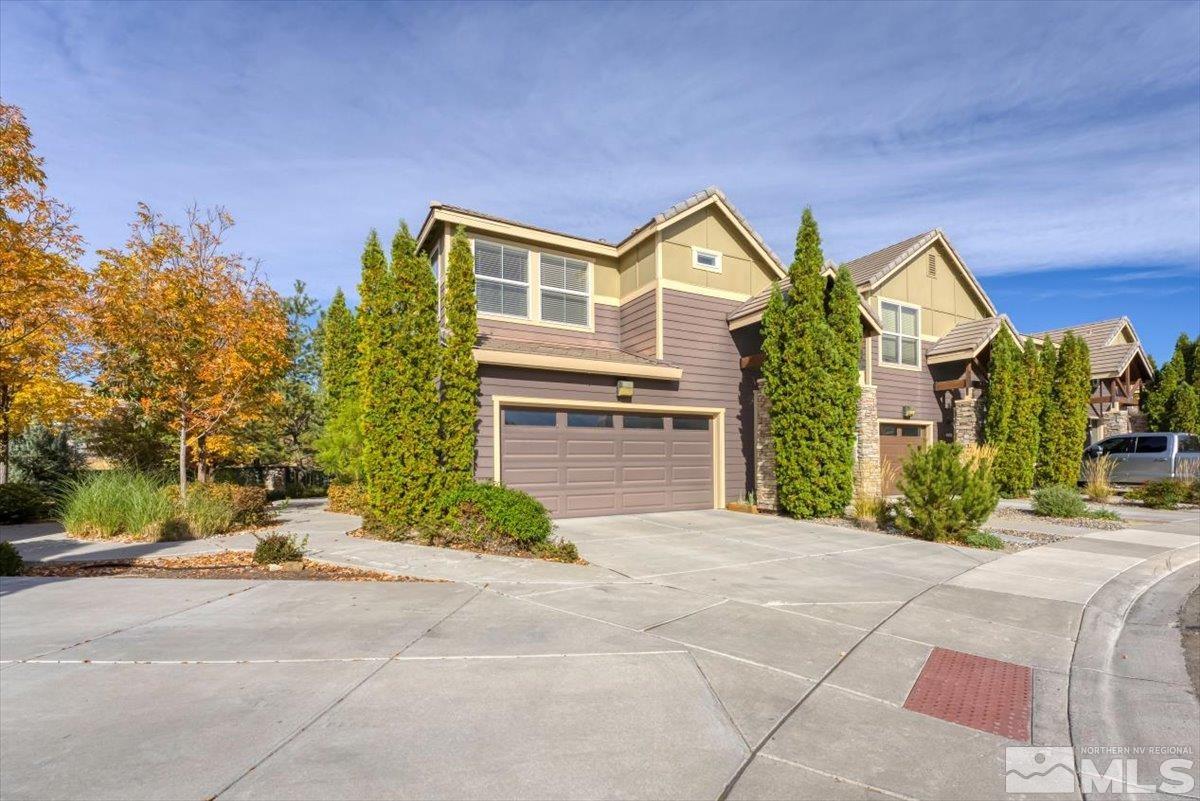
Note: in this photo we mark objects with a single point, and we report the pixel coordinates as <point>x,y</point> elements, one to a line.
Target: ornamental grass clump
<point>115,504</point>
<point>1097,475</point>
<point>948,492</point>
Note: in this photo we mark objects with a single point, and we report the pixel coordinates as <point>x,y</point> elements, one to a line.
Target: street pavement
<point>697,655</point>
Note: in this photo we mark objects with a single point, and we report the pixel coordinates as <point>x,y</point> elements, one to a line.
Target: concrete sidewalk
<point>700,654</point>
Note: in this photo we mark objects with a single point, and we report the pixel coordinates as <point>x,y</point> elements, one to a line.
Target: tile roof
<point>1112,360</point>
<point>674,211</point>
<point>599,353</point>
<point>1097,334</point>
<point>873,266</point>
<point>757,302</point>
<point>970,336</point>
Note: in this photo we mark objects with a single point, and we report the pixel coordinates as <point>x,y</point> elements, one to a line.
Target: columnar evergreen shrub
<point>1013,407</point>
<point>1171,402</point>
<point>379,381</point>
<point>1043,473</point>
<point>806,367</point>
<point>418,351</point>
<point>1071,394</point>
<point>946,497</point>
<point>339,355</point>
<point>460,376</point>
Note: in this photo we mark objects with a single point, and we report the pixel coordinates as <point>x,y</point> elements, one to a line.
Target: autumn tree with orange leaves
<point>187,330</point>
<point>41,287</point>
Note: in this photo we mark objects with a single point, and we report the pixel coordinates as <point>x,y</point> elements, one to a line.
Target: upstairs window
<point>901,340</point>
<point>709,260</point>
<point>501,279</point>
<point>564,286</point>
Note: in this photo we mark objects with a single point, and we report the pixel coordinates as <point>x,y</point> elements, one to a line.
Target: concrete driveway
<point>699,655</point>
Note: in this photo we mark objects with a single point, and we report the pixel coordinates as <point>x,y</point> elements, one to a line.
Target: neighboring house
<point>618,378</point>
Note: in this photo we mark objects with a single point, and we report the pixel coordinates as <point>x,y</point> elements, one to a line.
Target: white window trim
<point>900,337</point>
<point>527,283</point>
<point>698,251</point>
<point>586,294</point>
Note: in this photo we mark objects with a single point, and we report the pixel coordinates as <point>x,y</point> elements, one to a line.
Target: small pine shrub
<point>345,498</point>
<point>947,495</point>
<point>276,548</point>
<point>1058,500</point>
<point>1165,493</point>
<point>21,503</point>
<point>10,561</point>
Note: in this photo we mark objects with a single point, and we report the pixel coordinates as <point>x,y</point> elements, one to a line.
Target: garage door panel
<point>643,448</point>
<point>634,475</point>
<point>591,475</point>
<point>692,448</point>
<point>577,471</point>
<point>589,447</point>
<point>523,445</point>
<point>532,476</point>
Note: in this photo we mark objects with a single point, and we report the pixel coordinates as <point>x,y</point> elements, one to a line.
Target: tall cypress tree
<point>379,382</point>
<point>1071,395</point>
<point>807,411</point>
<point>1047,368</point>
<point>339,446</point>
<point>846,327</point>
<point>460,376</point>
<point>1026,415</point>
<point>1002,399</point>
<point>417,353</point>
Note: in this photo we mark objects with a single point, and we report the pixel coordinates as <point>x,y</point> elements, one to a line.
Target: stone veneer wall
<point>866,449</point>
<point>1138,422</point>
<point>966,421</point>
<point>1115,421</point>
<point>866,445</point>
<point>765,487</point>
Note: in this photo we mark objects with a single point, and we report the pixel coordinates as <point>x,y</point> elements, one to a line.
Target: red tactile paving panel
<point>970,690</point>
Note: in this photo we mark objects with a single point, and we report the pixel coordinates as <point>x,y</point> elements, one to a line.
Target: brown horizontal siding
<point>607,333</point>
<point>896,388</point>
<point>695,338</point>
<point>638,325</point>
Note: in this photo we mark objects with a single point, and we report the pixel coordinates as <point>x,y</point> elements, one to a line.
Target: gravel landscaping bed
<point>1079,522</point>
<point>222,565</point>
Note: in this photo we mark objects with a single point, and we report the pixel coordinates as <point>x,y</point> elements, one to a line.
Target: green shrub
<point>345,498</point>
<point>1165,493</point>
<point>946,496</point>
<point>1058,500</point>
<point>117,503</point>
<point>982,539</point>
<point>10,561</point>
<point>276,548</point>
<point>207,513</point>
<point>494,511</point>
<point>247,503</point>
<point>21,503</point>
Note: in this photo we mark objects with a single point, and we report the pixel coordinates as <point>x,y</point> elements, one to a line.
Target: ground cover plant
<point>1062,501</point>
<point>1166,493</point>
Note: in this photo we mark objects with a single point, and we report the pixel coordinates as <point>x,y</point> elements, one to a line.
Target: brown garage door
<point>581,463</point>
<point>895,443</point>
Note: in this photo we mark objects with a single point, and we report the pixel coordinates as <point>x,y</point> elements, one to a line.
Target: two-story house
<point>619,378</point>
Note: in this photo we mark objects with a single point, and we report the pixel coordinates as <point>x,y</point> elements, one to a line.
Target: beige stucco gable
<point>945,294</point>
<point>743,269</point>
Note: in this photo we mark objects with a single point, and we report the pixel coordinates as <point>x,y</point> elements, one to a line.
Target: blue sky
<point>1058,145</point>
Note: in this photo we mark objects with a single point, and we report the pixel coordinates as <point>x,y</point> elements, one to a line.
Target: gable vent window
<point>901,340</point>
<point>709,260</point>
<point>564,290</point>
<point>932,266</point>
<point>501,279</point>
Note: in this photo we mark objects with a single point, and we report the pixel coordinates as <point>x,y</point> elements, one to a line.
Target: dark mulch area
<point>220,565</point>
